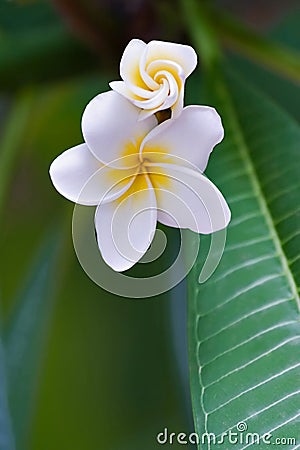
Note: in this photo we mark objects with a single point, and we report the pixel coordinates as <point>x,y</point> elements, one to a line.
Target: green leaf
<point>6,435</point>
<point>38,128</point>
<point>106,357</point>
<point>273,55</point>
<point>244,330</point>
<point>12,140</point>
<point>280,89</point>
<point>26,333</point>
<point>35,46</point>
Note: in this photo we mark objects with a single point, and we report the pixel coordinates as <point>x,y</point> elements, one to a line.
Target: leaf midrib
<point>254,180</point>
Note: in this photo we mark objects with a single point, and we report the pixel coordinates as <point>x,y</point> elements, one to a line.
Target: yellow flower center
<point>143,165</point>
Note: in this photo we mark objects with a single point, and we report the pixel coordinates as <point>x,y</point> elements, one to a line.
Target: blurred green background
<point>84,369</point>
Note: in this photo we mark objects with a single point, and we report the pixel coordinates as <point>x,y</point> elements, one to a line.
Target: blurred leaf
<point>56,123</point>
<point>109,379</point>
<point>19,17</point>
<point>287,31</point>
<point>35,46</point>
<point>26,334</point>
<point>107,363</point>
<point>275,56</point>
<point>286,93</point>
<point>11,142</point>
<point>244,330</point>
<point>6,434</point>
<point>53,125</point>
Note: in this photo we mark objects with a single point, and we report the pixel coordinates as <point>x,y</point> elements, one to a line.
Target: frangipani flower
<point>154,74</point>
<point>136,173</point>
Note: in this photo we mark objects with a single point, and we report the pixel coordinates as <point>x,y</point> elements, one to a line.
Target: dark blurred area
<point>121,20</point>
<point>260,15</point>
<point>43,41</point>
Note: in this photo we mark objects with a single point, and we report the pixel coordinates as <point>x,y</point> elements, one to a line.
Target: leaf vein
<point>257,358</point>
<point>252,388</point>
<point>246,316</point>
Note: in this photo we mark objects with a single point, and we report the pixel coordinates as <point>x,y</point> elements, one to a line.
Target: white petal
<point>187,199</point>
<point>147,79</point>
<point>125,228</point>
<point>166,76</point>
<point>145,113</point>
<point>173,88</point>
<point>171,100</point>
<point>157,99</point>
<point>130,64</point>
<point>191,136</point>
<point>184,55</point>
<point>158,66</point>
<point>121,88</point>
<point>81,178</point>
<point>177,108</point>
<point>162,98</point>
<point>130,91</point>
<point>109,126</point>
<point>71,170</point>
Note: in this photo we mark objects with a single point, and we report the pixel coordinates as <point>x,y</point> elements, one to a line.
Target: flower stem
<point>163,115</point>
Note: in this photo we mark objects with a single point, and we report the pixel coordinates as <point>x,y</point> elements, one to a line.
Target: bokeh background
<point>85,369</point>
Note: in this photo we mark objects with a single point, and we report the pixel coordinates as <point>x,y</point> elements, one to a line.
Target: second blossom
<point>154,75</point>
